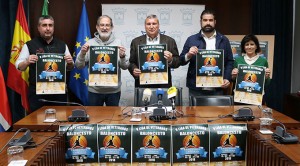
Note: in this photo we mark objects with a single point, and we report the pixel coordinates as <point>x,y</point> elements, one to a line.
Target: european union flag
<point>79,78</point>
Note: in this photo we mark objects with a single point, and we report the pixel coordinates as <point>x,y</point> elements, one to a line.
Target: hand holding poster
<point>103,69</point>
<point>249,87</point>
<point>209,68</point>
<point>50,74</point>
<point>152,64</point>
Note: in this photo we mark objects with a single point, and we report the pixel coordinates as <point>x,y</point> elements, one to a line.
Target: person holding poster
<point>250,49</point>
<point>209,39</point>
<point>45,43</point>
<point>153,37</point>
<point>98,95</point>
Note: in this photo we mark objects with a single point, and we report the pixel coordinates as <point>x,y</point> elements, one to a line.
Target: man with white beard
<point>98,95</point>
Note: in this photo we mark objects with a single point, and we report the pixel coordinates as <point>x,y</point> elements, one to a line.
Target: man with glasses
<point>98,95</point>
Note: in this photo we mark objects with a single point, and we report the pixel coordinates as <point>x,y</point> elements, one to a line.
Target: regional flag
<point>79,78</point>
<point>45,8</point>
<point>5,114</point>
<point>17,80</point>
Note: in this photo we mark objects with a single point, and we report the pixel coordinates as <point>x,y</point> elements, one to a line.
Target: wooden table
<point>113,115</point>
<point>263,150</point>
<point>52,151</point>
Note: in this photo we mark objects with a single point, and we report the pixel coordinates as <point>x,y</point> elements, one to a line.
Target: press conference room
<point>151,125</point>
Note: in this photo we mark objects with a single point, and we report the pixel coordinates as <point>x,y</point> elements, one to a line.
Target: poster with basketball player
<point>103,66</point>
<point>228,144</point>
<point>153,65</point>
<point>190,144</point>
<point>50,74</point>
<point>249,86</point>
<point>114,144</point>
<point>236,48</point>
<point>209,68</point>
<point>151,144</point>
<point>81,143</point>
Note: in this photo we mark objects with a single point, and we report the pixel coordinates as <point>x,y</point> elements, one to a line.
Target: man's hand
<point>225,84</point>
<point>168,56</point>
<point>122,51</point>
<point>136,72</point>
<point>193,51</point>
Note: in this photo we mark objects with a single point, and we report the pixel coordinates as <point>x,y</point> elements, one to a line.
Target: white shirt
<point>150,41</point>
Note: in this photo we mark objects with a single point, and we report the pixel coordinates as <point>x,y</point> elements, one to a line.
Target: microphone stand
<point>173,116</point>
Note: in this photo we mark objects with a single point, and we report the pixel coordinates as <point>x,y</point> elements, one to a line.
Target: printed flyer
<point>103,69</point>
<point>50,74</point>
<point>190,144</point>
<point>249,86</point>
<point>209,68</point>
<point>151,144</point>
<point>153,65</point>
<point>114,144</point>
<point>228,144</point>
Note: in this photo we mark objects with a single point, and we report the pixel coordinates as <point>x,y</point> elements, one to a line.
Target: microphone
<point>172,93</point>
<point>146,97</point>
<point>159,94</point>
<point>281,136</point>
<point>78,115</point>
<point>244,114</point>
<point>159,113</point>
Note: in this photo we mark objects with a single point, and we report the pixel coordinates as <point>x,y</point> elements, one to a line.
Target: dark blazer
<point>171,46</point>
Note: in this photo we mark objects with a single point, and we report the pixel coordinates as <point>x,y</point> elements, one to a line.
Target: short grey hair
<point>105,16</point>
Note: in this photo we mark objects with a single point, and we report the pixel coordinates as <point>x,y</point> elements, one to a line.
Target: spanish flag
<point>17,80</point>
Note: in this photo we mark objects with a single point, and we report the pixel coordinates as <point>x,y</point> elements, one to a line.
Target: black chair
<point>224,100</point>
<point>138,95</point>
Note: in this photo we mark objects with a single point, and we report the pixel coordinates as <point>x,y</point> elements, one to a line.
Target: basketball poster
<point>228,144</point>
<point>153,65</point>
<point>50,74</point>
<point>190,144</point>
<point>151,144</point>
<point>249,86</point>
<point>114,144</point>
<point>209,68</point>
<point>103,66</point>
<point>81,143</point>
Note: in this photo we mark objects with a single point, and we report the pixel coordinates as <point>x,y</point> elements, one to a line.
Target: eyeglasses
<point>105,25</point>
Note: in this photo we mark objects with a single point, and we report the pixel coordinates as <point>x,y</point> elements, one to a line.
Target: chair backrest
<point>138,95</point>
<point>214,100</point>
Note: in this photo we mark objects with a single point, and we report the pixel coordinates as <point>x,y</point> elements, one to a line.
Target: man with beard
<point>98,95</point>
<point>45,43</point>
<point>208,38</point>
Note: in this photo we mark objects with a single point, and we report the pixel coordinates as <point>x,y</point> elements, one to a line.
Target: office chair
<point>138,95</point>
<point>214,100</point>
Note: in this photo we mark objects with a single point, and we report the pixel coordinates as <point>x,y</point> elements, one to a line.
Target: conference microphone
<point>159,113</point>
<point>146,97</point>
<point>78,115</point>
<point>282,136</point>
<point>159,93</point>
<point>172,93</point>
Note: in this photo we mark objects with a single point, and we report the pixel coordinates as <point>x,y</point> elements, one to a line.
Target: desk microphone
<point>172,93</point>
<point>146,97</point>
<point>282,136</point>
<point>78,115</point>
<point>159,113</point>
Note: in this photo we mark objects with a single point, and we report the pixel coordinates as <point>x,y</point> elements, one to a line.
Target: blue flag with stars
<point>79,78</point>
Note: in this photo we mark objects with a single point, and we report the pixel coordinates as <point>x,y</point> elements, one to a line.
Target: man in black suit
<point>153,36</point>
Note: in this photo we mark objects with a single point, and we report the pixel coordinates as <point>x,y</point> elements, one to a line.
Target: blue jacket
<point>222,42</point>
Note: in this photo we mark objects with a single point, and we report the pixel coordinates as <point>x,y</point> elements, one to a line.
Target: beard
<point>208,28</point>
<point>104,35</point>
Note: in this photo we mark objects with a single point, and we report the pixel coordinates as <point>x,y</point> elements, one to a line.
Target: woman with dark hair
<point>250,49</point>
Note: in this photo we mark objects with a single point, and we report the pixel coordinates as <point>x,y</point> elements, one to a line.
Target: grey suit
<point>171,46</point>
